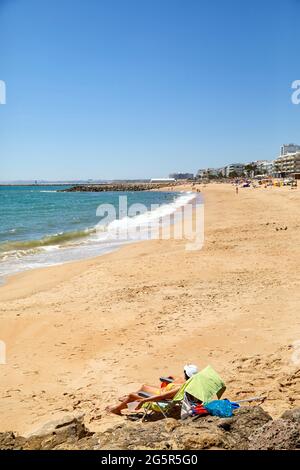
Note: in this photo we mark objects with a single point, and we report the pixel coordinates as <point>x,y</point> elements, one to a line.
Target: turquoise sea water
<point>40,226</point>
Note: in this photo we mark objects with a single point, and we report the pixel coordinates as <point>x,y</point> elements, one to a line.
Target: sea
<point>43,226</point>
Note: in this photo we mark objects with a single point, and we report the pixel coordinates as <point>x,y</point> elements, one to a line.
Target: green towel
<point>203,386</point>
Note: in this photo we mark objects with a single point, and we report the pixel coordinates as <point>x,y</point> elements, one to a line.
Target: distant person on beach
<point>166,391</point>
<point>236,190</point>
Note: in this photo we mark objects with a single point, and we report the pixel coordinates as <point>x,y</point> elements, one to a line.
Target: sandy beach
<point>81,334</point>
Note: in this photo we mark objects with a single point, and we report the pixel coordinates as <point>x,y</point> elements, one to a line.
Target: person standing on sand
<point>166,393</point>
<point>236,190</point>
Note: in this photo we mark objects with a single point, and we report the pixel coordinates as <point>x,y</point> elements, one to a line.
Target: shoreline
<point>80,334</point>
<point>65,247</point>
<point>19,275</point>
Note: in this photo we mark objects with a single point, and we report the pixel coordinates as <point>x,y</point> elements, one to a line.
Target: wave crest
<point>48,241</point>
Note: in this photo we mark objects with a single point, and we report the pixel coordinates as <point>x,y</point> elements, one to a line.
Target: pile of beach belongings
<point>197,394</point>
<point>221,408</point>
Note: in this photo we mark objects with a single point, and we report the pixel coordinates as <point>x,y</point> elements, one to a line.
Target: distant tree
<point>251,167</point>
<point>233,174</point>
<point>214,176</point>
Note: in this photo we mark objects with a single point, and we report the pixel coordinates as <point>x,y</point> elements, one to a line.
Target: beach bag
<point>221,408</point>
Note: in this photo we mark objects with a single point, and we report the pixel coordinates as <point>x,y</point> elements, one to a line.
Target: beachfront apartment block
<point>251,169</point>
<point>209,173</point>
<point>287,165</point>
<point>266,167</point>
<point>201,173</point>
<point>235,168</point>
<point>263,167</point>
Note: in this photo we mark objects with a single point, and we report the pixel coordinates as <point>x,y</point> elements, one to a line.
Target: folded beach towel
<point>203,386</point>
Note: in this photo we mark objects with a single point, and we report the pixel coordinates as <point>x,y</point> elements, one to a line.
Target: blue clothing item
<point>221,408</point>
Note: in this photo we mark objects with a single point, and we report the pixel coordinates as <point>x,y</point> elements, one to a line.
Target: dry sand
<point>81,334</point>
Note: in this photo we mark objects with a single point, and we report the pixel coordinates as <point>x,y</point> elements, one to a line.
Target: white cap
<point>190,369</point>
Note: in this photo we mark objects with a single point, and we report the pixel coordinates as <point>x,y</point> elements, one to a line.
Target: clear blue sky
<point>141,88</point>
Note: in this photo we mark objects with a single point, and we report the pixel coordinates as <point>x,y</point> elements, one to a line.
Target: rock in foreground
<point>250,428</point>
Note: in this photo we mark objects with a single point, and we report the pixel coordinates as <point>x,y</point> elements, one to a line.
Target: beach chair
<point>162,407</point>
<point>203,386</point>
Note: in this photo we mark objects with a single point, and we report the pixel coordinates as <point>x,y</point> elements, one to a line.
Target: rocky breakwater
<point>97,188</point>
<point>250,428</point>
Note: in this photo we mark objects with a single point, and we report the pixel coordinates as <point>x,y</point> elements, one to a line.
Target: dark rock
<point>292,415</point>
<point>244,422</point>
<point>203,433</point>
<point>67,433</point>
<point>137,435</point>
<point>8,441</point>
<point>69,425</point>
<point>55,433</point>
<point>249,428</point>
<point>96,188</point>
<point>281,434</point>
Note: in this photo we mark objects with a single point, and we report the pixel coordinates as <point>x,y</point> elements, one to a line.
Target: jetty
<point>96,188</point>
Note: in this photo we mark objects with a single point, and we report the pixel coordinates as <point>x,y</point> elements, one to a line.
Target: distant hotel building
<point>288,165</point>
<point>208,173</point>
<point>262,167</point>
<point>289,148</point>
<point>201,173</point>
<point>237,168</point>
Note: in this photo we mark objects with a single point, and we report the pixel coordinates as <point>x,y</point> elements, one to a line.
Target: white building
<point>212,172</point>
<point>208,173</point>
<point>264,167</point>
<point>201,173</point>
<point>237,168</point>
<point>287,165</point>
